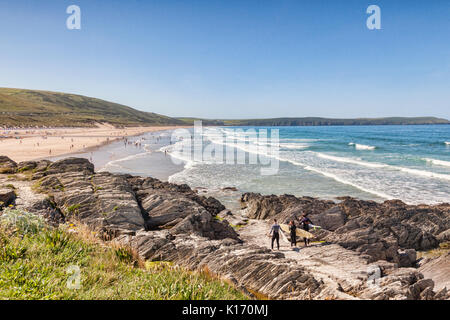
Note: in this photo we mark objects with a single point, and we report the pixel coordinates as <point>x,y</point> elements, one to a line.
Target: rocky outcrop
<point>284,207</point>
<point>377,230</point>
<point>251,268</point>
<point>7,196</point>
<point>7,165</point>
<point>169,222</point>
<point>26,165</point>
<point>437,268</point>
<point>331,219</point>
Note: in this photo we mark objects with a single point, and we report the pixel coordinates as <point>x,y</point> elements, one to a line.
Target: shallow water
<point>411,163</point>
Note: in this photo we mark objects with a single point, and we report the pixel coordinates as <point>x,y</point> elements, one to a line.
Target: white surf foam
<point>116,163</point>
<point>438,162</point>
<point>418,172</point>
<point>447,143</point>
<point>352,161</point>
<point>362,146</point>
<point>423,173</point>
<point>344,181</point>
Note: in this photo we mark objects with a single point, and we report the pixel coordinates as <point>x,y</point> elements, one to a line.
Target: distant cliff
<point>314,121</point>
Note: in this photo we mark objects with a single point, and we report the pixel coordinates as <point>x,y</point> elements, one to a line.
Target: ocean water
<point>411,163</point>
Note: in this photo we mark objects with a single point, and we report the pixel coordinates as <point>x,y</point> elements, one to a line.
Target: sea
<point>410,163</point>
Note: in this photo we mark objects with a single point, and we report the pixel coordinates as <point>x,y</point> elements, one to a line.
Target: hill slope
<point>21,107</point>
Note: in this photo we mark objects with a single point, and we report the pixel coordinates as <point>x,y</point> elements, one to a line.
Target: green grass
<point>22,107</point>
<point>36,262</point>
<point>73,209</point>
<point>443,249</point>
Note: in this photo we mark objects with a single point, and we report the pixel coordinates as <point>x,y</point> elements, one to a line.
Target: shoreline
<point>37,144</point>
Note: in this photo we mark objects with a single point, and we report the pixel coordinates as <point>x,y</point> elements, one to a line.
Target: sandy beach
<point>33,144</point>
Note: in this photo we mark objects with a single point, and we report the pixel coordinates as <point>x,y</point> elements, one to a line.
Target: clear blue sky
<point>235,59</point>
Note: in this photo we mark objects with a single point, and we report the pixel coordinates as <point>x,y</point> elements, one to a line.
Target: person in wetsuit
<point>293,233</point>
<point>305,221</point>
<point>275,232</point>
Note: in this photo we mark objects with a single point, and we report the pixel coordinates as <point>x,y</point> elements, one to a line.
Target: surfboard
<point>300,232</point>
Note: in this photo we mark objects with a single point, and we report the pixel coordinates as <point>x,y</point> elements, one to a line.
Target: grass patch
<point>39,263</point>
<point>36,187</point>
<point>444,248</point>
<point>73,209</point>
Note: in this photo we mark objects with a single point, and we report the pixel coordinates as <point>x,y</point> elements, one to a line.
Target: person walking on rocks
<point>293,233</point>
<point>305,221</point>
<point>275,232</point>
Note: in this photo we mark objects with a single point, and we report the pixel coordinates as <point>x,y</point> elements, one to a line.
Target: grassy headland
<point>27,108</point>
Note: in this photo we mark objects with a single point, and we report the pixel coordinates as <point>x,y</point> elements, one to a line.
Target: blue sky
<point>235,59</point>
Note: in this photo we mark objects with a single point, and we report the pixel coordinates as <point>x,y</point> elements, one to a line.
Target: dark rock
<point>47,208</point>
<point>7,165</point>
<point>40,170</point>
<point>368,227</point>
<point>204,225</point>
<point>331,219</point>
<point>229,189</point>
<point>407,258</point>
<point>7,197</point>
<point>103,201</point>
<point>26,165</point>
<point>70,165</point>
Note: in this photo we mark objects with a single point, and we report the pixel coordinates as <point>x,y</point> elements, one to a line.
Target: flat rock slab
<point>437,269</point>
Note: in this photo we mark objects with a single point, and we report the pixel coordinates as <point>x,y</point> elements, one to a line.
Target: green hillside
<point>21,107</point>
<point>314,121</point>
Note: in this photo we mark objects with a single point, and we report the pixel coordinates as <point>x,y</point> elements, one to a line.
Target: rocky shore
<point>368,249</point>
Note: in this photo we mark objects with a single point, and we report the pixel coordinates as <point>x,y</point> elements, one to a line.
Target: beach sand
<point>34,144</point>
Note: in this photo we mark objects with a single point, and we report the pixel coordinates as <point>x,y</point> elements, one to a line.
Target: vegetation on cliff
<point>21,107</point>
<point>315,121</point>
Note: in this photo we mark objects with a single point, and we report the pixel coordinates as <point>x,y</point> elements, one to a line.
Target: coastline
<point>36,144</point>
<point>191,230</point>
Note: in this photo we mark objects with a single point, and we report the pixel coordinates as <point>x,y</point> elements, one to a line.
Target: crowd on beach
<point>23,144</point>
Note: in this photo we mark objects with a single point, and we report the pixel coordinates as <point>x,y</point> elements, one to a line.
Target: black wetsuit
<point>306,222</point>
<point>293,231</point>
<point>275,230</point>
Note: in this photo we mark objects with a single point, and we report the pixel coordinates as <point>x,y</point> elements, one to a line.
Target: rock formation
<point>389,231</point>
<point>165,221</point>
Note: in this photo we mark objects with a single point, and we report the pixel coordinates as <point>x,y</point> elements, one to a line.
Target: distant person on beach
<point>305,221</point>
<point>293,233</point>
<point>275,232</point>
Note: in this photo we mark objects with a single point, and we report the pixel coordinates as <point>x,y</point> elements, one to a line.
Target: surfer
<point>275,232</point>
<point>293,233</point>
<point>305,221</point>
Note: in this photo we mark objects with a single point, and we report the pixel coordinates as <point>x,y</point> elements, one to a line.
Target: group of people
<point>303,223</point>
